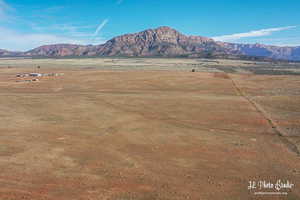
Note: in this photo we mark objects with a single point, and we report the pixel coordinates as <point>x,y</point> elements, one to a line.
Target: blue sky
<point>25,24</point>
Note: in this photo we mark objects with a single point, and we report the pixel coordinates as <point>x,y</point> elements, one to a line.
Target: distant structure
<point>35,74</point>
<point>38,75</point>
<point>22,75</point>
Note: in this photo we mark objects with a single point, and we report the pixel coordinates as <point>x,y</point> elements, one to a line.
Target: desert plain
<point>148,128</point>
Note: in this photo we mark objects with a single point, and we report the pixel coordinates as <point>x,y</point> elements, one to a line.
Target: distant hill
<point>57,50</point>
<point>4,53</point>
<point>164,42</point>
<point>268,51</point>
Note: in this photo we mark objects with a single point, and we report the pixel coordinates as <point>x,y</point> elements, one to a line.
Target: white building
<point>35,74</point>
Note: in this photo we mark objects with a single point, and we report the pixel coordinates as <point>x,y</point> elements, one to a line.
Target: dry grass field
<point>146,129</point>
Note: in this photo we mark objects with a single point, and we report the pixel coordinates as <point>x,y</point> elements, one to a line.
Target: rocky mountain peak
<point>166,30</point>
<point>163,42</point>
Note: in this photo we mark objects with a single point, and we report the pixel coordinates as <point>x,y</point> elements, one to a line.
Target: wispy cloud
<point>13,40</point>
<point>255,33</point>
<point>43,33</point>
<point>66,28</point>
<point>82,33</point>
<point>100,27</point>
<point>5,9</point>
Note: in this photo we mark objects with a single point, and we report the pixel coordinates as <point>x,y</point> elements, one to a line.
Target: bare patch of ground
<point>144,134</point>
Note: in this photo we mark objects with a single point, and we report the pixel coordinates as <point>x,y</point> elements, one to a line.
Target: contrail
<point>4,9</point>
<point>100,27</point>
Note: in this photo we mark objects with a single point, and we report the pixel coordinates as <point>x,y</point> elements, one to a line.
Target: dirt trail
<point>283,136</point>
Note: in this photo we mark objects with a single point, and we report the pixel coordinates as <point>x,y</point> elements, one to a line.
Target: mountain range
<point>163,42</point>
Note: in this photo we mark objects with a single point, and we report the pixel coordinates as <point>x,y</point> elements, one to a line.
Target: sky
<point>26,24</point>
